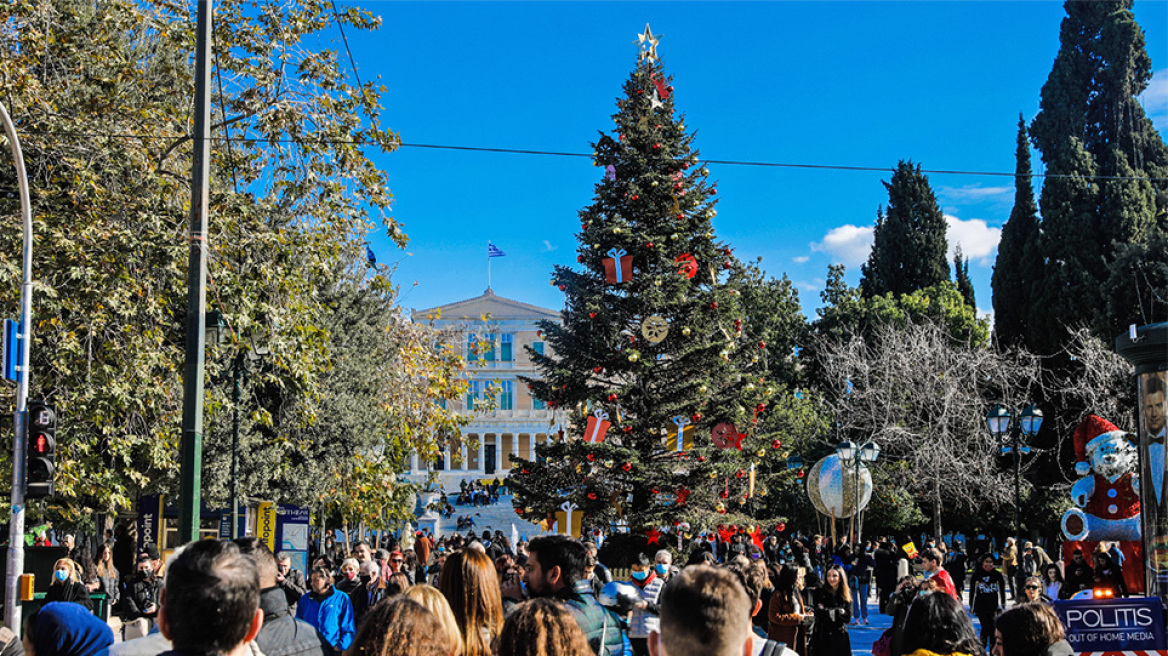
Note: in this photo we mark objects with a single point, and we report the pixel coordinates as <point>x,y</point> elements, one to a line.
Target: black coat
<point>140,595</point>
<point>829,637</point>
<point>69,591</point>
<point>987,591</point>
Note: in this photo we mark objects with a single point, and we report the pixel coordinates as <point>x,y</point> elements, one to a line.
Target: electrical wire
<point>560,153</point>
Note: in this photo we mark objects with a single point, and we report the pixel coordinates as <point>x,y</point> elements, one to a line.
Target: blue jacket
<point>331,615</point>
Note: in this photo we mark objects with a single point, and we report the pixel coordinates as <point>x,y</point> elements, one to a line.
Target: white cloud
<point>974,193</point>
<point>1155,99</point>
<point>978,241</point>
<point>547,246</point>
<point>848,244</point>
<point>802,259</point>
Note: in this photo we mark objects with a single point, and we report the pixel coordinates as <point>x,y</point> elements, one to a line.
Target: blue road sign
<point>11,351</point>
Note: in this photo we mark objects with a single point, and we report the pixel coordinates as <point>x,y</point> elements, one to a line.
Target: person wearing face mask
<point>644,617</point>
<point>67,585</point>
<point>349,571</point>
<point>140,603</point>
<point>663,565</point>
<point>371,590</point>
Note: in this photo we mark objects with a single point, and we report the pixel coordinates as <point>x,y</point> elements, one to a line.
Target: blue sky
<point>830,83</point>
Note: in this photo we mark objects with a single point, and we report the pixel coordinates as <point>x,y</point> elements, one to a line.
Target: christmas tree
<point>656,371</point>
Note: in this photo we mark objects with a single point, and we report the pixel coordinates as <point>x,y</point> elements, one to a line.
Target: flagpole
<point>488,265</point>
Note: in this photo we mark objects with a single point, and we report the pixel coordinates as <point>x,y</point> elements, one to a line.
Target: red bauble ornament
<point>726,250</point>
<point>701,458</point>
<point>762,345</point>
<point>713,305</point>
<point>713,190</point>
<point>592,496</point>
<point>721,511</point>
<point>801,473</point>
<point>726,264</point>
<point>760,407</point>
<point>628,467</point>
<point>591,457</point>
<point>591,315</point>
<point>697,416</point>
<point>649,245</point>
<point>780,527</point>
<point>518,511</point>
<point>655,491</point>
<point>656,146</point>
<point>636,197</point>
<point>580,259</point>
<point>740,473</point>
<point>563,288</point>
<point>598,369</point>
<point>777,444</point>
<point>685,166</point>
<point>612,398</point>
<point>680,217</point>
<point>524,472</point>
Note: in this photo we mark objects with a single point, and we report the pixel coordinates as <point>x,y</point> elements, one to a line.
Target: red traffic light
<point>42,444</point>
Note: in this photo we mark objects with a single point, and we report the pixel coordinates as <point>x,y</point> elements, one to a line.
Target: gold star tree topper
<point>648,42</point>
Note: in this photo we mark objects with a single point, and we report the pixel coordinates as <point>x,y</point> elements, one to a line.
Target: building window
<point>537,347</point>
<point>471,346</point>
<point>474,390</point>
<point>506,350</point>
<point>489,352</point>
<point>536,404</point>
<point>507,395</point>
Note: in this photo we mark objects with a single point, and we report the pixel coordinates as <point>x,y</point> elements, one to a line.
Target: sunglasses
<point>398,560</point>
<point>1032,587</point>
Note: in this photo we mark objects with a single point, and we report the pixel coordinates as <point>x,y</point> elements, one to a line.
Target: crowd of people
<point>479,595</point>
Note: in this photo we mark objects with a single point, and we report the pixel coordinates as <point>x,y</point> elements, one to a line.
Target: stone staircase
<point>498,516</point>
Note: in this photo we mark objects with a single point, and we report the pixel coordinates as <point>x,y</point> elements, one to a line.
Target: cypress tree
<point>1019,264</point>
<point>1099,149</point>
<point>909,244</point>
<point>961,278</point>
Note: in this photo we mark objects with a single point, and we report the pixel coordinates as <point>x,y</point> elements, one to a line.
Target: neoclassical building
<point>517,422</point>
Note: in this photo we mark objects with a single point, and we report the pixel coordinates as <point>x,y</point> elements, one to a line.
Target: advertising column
<point>292,534</point>
<point>1147,349</point>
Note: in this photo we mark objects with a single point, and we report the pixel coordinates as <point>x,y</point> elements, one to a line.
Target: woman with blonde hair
<point>66,584</point>
<point>469,583</point>
<point>542,627</point>
<point>432,599</point>
<point>400,627</point>
<point>348,582</point>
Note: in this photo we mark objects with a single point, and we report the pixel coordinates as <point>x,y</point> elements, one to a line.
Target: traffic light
<point>42,450</point>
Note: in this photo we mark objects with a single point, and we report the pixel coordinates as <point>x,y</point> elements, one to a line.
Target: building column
<point>414,463</point>
<point>483,454</point>
<point>465,461</point>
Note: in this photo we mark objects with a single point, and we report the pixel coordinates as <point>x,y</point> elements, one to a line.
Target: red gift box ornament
<point>682,437</point>
<point>628,467</point>
<point>597,426</point>
<point>618,266</point>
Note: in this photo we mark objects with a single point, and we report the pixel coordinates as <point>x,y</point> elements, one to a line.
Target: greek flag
<point>493,251</point>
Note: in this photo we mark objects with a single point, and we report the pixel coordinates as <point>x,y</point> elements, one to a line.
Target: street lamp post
<point>1001,424</point>
<point>852,456</point>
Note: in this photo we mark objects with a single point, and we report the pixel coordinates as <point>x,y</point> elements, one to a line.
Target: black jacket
<point>363,599</point>
<point>283,634</point>
<point>832,613</point>
<point>69,591</point>
<point>293,586</point>
<point>140,595</point>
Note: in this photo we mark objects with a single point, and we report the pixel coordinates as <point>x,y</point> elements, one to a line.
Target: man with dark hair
<point>290,580</point>
<point>555,568</point>
<point>704,612</point>
<point>211,601</point>
<point>931,561</point>
<point>282,634</point>
<point>753,577</point>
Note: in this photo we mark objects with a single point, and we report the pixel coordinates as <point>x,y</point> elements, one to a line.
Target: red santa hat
<point>1090,433</point>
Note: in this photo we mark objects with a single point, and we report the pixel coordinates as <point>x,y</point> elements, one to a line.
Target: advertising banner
<point>292,534</point>
<point>266,524</point>
<point>1132,624</point>
<point>149,520</point>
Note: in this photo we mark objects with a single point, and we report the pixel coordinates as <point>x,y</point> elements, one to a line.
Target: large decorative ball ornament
<point>742,501</point>
<point>697,416</point>
<point>832,487</point>
<point>655,328</point>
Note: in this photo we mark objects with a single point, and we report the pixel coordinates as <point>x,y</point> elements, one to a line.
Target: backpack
<point>883,644</point>
<point>772,648</point>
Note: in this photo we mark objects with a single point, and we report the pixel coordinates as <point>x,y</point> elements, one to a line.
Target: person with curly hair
<point>542,627</point>
<point>400,627</point>
<point>938,625</point>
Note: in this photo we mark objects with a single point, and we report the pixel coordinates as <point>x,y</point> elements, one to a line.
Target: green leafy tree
<point>1019,266</point>
<point>1100,152</point>
<point>101,94</point>
<point>909,244</point>
<point>655,203</point>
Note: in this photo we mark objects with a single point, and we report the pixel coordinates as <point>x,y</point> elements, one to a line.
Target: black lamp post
<point>219,332</point>
<point>1001,424</point>
<point>851,456</point>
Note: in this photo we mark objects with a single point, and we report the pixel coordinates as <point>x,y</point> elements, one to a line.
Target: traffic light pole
<point>20,416</point>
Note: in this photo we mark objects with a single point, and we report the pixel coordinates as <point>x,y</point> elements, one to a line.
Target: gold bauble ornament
<point>674,236</point>
<point>750,387</point>
<point>529,509</point>
<point>654,183</point>
<point>657,282</point>
<point>703,389</point>
<point>761,453</point>
<point>655,329</point>
<point>762,493</point>
<point>742,501</point>
<point>633,357</point>
<point>596,246</point>
<point>608,464</point>
<point>616,231</point>
<point>713,475</point>
<point>686,331</point>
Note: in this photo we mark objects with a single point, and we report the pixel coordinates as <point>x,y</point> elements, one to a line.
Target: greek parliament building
<point>517,422</point>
